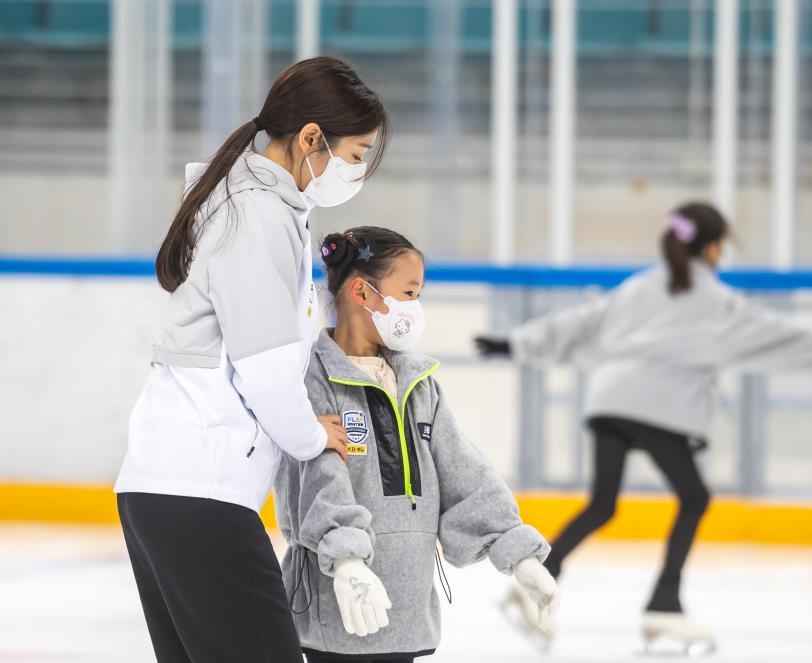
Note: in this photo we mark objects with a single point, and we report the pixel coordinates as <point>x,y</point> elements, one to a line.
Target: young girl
<point>363,534</point>
<point>655,345</point>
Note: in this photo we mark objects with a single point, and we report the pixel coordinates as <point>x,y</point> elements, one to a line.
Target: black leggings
<point>209,581</point>
<point>332,659</point>
<point>673,455</point>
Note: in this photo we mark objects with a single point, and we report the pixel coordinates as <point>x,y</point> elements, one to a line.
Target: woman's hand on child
<point>361,596</point>
<point>540,587</point>
<point>336,435</point>
<point>488,346</point>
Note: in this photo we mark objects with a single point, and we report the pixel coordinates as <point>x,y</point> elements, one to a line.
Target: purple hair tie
<point>683,227</point>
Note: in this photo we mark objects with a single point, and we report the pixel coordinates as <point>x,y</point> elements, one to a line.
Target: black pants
<point>673,455</point>
<point>209,581</point>
<point>327,659</point>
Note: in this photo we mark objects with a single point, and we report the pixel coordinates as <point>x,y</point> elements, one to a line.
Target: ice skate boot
<point>673,633</point>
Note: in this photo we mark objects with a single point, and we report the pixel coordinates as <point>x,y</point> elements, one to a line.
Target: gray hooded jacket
<point>412,477</point>
<point>654,357</point>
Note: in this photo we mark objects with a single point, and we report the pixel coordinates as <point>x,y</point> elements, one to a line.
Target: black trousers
<point>674,456</point>
<point>209,581</point>
<point>328,659</point>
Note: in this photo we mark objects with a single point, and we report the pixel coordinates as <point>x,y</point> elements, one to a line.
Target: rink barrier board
<point>517,275</point>
<point>638,516</point>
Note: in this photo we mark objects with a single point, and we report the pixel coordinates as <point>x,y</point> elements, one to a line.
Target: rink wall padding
<point>638,516</point>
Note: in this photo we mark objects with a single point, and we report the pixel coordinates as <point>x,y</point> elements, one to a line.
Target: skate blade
<point>514,615</point>
<point>666,646</point>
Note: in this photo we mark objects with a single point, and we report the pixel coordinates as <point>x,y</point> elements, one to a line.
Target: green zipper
<point>400,417</point>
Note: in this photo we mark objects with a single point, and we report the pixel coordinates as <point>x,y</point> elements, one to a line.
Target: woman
<point>365,532</point>
<point>226,391</point>
<point>655,346</point>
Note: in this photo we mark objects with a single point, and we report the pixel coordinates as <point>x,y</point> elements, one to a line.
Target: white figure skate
<point>523,615</point>
<point>673,633</point>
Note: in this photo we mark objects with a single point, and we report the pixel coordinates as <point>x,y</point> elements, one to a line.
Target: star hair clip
<point>365,253</point>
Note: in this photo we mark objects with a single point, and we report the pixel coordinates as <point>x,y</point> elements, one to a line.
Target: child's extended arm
<point>561,336</point>
<point>753,337</point>
<point>478,515</point>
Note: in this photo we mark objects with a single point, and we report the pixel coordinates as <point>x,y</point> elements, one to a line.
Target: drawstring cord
<point>304,567</point>
<point>443,577</point>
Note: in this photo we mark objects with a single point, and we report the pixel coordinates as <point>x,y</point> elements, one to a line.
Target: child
<point>655,346</point>
<point>365,532</point>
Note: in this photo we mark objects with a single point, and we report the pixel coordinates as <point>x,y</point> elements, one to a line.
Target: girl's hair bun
<point>335,249</point>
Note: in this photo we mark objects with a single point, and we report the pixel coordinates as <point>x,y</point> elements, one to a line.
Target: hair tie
<point>258,124</point>
<point>328,248</point>
<point>684,228</point>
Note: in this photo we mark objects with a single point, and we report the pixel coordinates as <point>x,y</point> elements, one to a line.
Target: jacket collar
<point>701,267</point>
<point>408,366</point>
<point>252,170</point>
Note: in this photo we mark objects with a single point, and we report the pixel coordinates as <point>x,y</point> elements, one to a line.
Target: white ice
<point>67,594</point>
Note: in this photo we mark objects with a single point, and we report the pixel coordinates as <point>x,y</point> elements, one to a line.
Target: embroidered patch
<point>356,449</point>
<point>425,431</point>
<point>355,423</point>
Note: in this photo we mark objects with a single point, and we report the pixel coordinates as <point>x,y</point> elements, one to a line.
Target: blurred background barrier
<point>77,341</point>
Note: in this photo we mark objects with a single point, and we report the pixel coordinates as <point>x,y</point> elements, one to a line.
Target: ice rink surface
<point>67,594</point>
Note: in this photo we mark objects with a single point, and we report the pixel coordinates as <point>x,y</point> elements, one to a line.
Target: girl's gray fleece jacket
<point>654,357</point>
<point>410,479</point>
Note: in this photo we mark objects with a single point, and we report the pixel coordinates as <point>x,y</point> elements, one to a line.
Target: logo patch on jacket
<point>425,431</point>
<point>355,423</point>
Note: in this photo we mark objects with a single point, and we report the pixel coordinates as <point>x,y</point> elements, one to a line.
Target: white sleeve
<point>254,287</point>
<point>272,387</point>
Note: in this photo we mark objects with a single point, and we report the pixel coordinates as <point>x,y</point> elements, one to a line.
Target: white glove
<point>361,596</point>
<point>539,586</point>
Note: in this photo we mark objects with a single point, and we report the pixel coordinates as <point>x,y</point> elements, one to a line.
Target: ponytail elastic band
<point>258,124</point>
<point>683,227</point>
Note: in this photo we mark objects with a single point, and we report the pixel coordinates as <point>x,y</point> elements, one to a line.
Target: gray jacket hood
<point>251,171</point>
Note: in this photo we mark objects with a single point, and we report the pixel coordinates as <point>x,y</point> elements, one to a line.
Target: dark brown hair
<point>705,225</point>
<point>321,90</point>
<point>367,251</point>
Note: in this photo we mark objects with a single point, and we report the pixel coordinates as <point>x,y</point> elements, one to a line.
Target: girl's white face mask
<point>339,182</point>
<point>402,327</point>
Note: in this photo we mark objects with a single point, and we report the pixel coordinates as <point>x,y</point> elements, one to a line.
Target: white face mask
<point>402,327</point>
<point>339,182</point>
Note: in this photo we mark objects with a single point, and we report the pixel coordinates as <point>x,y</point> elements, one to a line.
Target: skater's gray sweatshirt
<point>411,477</point>
<point>654,356</point>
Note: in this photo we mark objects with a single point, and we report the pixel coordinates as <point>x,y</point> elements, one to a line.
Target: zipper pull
<point>250,451</point>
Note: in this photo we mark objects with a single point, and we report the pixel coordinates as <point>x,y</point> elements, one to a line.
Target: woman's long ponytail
<point>176,252</point>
